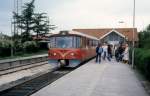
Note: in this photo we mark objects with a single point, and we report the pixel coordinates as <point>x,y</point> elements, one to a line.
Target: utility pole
<point>17,9</point>
<point>14,24</point>
<point>12,42</point>
<point>133,41</point>
<point>20,13</point>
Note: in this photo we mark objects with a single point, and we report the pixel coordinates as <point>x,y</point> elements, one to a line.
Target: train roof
<point>61,33</point>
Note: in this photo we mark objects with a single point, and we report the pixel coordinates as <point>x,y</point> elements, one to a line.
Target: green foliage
<point>31,22</point>
<point>18,47</point>
<point>39,23</point>
<point>144,38</point>
<point>24,21</point>
<point>142,54</point>
<point>5,48</point>
<point>142,61</point>
<point>30,46</point>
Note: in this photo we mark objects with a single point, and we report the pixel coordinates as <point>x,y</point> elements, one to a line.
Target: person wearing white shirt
<point>104,50</point>
<point>126,54</point>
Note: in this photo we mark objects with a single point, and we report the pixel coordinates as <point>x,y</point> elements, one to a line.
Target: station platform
<point>18,77</point>
<point>93,79</point>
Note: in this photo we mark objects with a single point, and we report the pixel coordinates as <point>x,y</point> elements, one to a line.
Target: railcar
<point>70,48</point>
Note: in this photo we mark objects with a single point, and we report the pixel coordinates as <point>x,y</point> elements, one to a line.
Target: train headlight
<point>54,54</point>
<point>72,54</point>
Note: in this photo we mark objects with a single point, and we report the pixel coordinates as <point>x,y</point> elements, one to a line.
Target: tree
<point>48,26</point>
<point>32,22</point>
<point>41,24</point>
<point>144,38</point>
<point>26,20</point>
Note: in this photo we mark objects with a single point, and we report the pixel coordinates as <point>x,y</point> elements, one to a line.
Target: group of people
<point>103,51</point>
<point>106,51</point>
<point>122,53</point>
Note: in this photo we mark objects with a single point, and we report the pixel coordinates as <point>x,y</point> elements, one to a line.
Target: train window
<point>78,43</point>
<point>83,43</point>
<point>74,42</point>
<point>90,43</point>
<point>51,43</point>
<point>71,42</point>
<point>64,42</point>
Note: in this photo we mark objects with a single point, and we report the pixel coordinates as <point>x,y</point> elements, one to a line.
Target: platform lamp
<point>133,41</point>
<point>121,23</point>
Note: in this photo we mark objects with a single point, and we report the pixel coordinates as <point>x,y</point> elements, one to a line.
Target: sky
<point>71,14</point>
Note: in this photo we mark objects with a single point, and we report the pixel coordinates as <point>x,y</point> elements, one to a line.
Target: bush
<point>142,61</point>
<point>30,46</point>
<point>5,48</point>
<point>18,47</point>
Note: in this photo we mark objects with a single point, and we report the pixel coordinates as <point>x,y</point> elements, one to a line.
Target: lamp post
<point>133,41</point>
<point>120,23</point>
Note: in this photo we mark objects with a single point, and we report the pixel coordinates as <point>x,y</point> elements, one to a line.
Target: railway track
<point>36,84</point>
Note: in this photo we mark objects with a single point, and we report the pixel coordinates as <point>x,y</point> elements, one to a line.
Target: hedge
<point>5,48</point>
<point>30,46</point>
<point>142,61</point>
<point>20,48</point>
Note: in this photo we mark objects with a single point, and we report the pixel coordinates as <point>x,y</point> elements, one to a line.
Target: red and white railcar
<point>70,48</point>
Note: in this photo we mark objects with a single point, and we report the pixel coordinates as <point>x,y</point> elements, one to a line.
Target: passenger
<point>109,52</point>
<point>105,51</point>
<point>126,54</point>
<point>99,51</point>
<point>111,48</point>
<point>116,51</point>
<point>120,53</point>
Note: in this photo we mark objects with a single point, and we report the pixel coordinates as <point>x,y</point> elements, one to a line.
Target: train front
<point>64,51</point>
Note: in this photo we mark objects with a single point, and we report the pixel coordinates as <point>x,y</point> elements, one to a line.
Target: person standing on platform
<point>109,52</point>
<point>105,51</point>
<point>126,54</point>
<point>99,51</point>
<point>116,53</point>
<point>120,51</point>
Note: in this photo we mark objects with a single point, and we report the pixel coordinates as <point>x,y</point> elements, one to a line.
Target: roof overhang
<point>113,30</point>
<point>82,34</point>
<point>77,33</point>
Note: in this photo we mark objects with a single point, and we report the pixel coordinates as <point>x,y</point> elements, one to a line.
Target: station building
<point>112,36</point>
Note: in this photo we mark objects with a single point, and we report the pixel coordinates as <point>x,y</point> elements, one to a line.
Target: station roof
<point>82,34</point>
<point>99,33</point>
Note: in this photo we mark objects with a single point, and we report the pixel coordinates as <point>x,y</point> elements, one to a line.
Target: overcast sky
<point>70,14</point>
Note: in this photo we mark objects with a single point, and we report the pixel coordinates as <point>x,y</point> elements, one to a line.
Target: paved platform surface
<point>15,78</point>
<point>91,79</point>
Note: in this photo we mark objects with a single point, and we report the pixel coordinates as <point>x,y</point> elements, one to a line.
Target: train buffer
<point>91,79</point>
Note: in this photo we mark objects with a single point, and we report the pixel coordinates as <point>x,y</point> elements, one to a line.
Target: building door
<point>113,39</point>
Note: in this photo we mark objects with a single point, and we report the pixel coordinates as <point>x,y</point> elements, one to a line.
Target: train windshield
<point>64,42</point>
